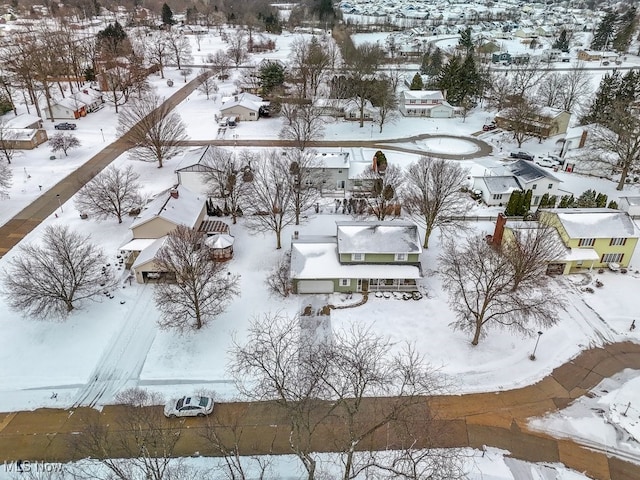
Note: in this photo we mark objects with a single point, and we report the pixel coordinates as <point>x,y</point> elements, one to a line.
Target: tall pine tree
<point>602,105</point>
<point>562,42</point>
<point>624,31</point>
<point>603,35</point>
<point>167,15</point>
<point>416,83</point>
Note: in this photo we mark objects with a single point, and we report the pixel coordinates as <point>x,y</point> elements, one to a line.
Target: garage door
<point>440,113</point>
<point>315,286</point>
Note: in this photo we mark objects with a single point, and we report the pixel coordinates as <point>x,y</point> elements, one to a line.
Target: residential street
<point>497,419</point>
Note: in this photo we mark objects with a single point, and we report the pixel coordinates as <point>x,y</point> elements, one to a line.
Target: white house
<point>67,108</point>
<point>244,106</point>
<point>498,183</point>
<point>425,103</point>
<point>631,205</point>
<point>192,170</point>
<point>341,170</point>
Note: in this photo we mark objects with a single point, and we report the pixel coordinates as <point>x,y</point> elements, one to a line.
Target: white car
<point>189,407</point>
<point>546,162</point>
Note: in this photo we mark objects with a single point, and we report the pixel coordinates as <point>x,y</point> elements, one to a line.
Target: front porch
<point>386,285</point>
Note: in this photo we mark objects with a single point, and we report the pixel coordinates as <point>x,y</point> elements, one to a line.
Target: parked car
<point>189,407</point>
<point>65,126</point>
<point>523,155</point>
<point>489,126</point>
<point>546,162</point>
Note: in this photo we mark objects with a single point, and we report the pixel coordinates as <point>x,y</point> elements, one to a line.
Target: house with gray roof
<point>497,184</point>
<point>361,257</point>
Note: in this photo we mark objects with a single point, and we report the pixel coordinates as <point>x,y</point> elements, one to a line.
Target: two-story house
<point>594,237</point>
<point>425,103</point>
<point>361,257</point>
<point>498,183</point>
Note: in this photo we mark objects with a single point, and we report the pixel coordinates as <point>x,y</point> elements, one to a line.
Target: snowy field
<point>118,336</point>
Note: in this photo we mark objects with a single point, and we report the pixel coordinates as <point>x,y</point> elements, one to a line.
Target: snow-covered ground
<point>117,338</point>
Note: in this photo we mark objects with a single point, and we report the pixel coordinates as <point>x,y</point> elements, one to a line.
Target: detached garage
<point>314,286</point>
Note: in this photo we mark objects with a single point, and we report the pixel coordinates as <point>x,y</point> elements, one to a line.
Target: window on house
<point>345,282</point>
<point>357,257</point>
<point>618,241</point>
<point>339,171</point>
<point>411,102</point>
<point>401,257</point>
<point>497,196</point>
<point>612,257</point>
<point>586,242</point>
<point>357,183</point>
<point>534,186</point>
<point>550,186</point>
<point>252,114</point>
<point>536,199</point>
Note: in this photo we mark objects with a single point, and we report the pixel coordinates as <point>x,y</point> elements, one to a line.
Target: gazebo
<point>221,245</point>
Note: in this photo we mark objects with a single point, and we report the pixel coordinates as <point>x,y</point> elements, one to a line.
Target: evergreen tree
<point>167,15</point>
<point>465,42</point>
<point>567,201</point>
<point>629,88</point>
<point>544,201</point>
<point>562,42</point>
<point>604,32</point>
<point>449,79</point>
<point>113,39</point>
<point>602,105</point>
<point>271,76</point>
<point>625,28</point>
<point>434,64</point>
<point>526,202</point>
<point>601,200</point>
<point>416,83</point>
<point>613,204</point>
<point>587,199</point>
<point>426,62</point>
<point>511,209</point>
<point>470,80</point>
<point>551,203</point>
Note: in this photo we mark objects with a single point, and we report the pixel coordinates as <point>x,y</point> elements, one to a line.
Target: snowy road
<point>123,359</point>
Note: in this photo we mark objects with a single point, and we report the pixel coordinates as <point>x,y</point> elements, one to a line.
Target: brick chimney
<point>174,193</point>
<point>496,239</point>
<point>583,139</point>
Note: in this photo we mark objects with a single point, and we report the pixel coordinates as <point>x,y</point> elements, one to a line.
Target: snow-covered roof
<point>577,254</point>
<point>596,223</point>
<point>23,120</point>
<point>317,258</point>
<point>183,210</point>
<point>423,95</point>
<point>527,171</point>
<point>501,184</point>
<point>633,201</point>
<point>191,157</point>
<point>20,133</point>
<point>149,253</point>
<point>137,244</point>
<point>247,100</point>
<point>550,112</point>
<point>378,237</point>
<point>333,159</point>
<point>71,103</point>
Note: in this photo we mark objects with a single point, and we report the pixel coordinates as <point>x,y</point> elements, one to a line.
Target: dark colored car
<point>522,154</point>
<point>489,126</point>
<point>65,126</point>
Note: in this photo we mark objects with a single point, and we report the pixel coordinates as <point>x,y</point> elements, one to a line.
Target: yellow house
<point>594,237</point>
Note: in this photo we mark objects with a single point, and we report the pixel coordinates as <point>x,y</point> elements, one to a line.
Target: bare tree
<point>113,192</point>
<point>155,48</point>
<point>6,177</point>
<point>577,88</point>
<point>195,288</point>
<point>498,91</point>
<point>617,145</point>
<point>63,142</point>
<point>237,51</point>
<point>524,77</point>
<point>304,179</point>
<point>279,279</point>
<point>375,385</point>
<point>270,196</point>
<point>151,129</point>
<point>220,63</point>
<point>185,72</point>
<point>179,47</point>
<point>521,117</point>
<point>432,193</point>
<point>50,279</point>
<point>229,177</point>
<point>123,77</point>
<point>207,85</point>
<point>302,124</point>
<point>140,443</point>
<point>363,62</point>
<point>480,281</point>
<point>530,250</point>
<point>387,103</point>
<point>549,92</point>
<point>284,368</point>
<point>7,143</point>
<point>381,195</point>
<point>309,64</point>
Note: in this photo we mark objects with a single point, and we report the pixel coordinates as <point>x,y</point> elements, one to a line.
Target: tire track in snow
<point>579,309</point>
<point>124,357</point>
